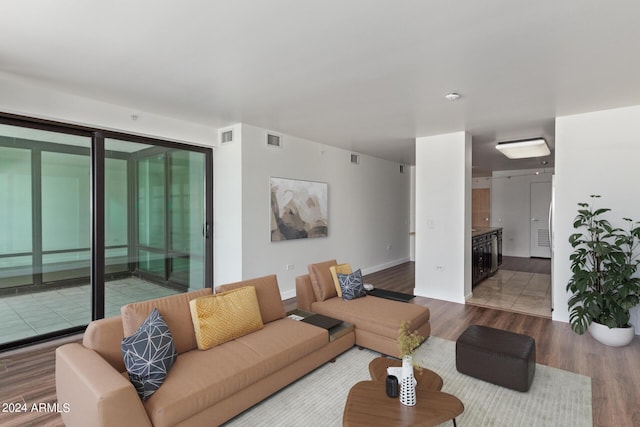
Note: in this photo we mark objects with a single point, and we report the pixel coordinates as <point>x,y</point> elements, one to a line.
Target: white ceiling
<point>369,76</point>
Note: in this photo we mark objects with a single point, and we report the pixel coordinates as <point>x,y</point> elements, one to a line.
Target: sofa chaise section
<point>377,321</point>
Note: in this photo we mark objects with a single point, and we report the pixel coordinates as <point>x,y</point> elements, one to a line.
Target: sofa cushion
<point>149,354</point>
<point>200,379</point>
<point>175,311</point>
<point>225,316</point>
<point>352,286</point>
<point>376,315</point>
<point>321,280</point>
<point>339,269</point>
<point>269,299</point>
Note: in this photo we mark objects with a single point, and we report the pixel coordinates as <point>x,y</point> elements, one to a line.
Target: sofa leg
<point>333,360</point>
<point>360,347</point>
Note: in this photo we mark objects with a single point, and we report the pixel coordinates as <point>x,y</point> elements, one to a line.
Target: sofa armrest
<point>304,292</point>
<point>93,392</point>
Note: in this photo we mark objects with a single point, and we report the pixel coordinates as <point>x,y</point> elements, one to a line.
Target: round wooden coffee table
<point>368,405</point>
<point>427,379</point>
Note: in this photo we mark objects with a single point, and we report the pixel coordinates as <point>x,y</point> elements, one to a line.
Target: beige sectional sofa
<point>203,387</point>
<point>377,321</point>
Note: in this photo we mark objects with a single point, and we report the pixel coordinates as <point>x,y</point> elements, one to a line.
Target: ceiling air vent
<point>402,169</point>
<point>355,158</point>
<point>274,140</point>
<point>226,136</point>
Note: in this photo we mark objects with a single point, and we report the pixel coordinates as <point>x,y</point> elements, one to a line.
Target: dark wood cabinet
<point>486,256</point>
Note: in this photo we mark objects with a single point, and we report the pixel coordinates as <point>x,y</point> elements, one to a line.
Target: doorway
<point>520,205</point>
<point>539,242</point>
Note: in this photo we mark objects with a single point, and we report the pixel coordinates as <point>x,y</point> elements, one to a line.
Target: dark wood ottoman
<point>496,356</point>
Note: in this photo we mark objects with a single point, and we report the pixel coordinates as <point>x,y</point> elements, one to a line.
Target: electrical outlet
<point>289,267</point>
<point>439,267</point>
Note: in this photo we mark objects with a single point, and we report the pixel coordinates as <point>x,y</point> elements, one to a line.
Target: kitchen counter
<point>486,256</point>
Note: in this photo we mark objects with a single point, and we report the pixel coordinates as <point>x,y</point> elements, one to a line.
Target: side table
<point>340,329</point>
<point>368,405</point>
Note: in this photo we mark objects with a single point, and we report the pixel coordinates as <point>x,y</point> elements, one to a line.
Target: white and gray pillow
<point>351,285</point>
<point>149,354</point>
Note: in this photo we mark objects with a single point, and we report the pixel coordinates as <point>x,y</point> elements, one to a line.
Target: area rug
<point>556,397</point>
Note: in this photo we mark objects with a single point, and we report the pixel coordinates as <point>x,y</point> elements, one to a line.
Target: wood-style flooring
<point>614,372</point>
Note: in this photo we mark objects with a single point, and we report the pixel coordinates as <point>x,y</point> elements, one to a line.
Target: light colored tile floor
<point>28,315</point>
<point>528,293</point>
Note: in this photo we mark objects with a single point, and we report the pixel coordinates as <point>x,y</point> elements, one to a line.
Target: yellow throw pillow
<point>339,269</point>
<point>225,316</point>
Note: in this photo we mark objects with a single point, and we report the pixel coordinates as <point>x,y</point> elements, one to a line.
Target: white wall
<point>412,215</point>
<point>443,216</point>
<point>368,209</point>
<point>20,97</point>
<point>596,153</point>
<point>511,208</point>
<point>227,209</point>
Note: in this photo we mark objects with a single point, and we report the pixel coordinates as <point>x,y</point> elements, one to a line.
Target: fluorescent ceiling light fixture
<point>525,148</point>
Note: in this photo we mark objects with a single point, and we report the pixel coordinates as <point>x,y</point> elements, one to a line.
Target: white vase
<point>407,367</point>
<point>408,391</point>
<point>408,383</point>
<point>613,337</point>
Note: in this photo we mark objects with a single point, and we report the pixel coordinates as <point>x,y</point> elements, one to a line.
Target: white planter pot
<point>613,337</point>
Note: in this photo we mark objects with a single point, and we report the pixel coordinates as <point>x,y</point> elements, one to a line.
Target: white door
<point>540,245</point>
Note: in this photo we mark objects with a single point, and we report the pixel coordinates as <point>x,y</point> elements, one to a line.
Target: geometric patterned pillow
<point>351,285</point>
<point>149,354</point>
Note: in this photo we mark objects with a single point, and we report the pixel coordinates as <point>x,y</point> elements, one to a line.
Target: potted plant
<point>604,284</point>
<point>408,342</point>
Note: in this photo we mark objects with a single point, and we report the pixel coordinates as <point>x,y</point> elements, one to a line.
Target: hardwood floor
<point>614,372</point>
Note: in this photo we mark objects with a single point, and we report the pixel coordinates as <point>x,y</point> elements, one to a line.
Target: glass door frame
<point>97,184</point>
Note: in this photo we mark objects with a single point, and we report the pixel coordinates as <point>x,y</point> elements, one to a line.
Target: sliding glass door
<point>154,200</point>
<point>155,218</point>
<point>46,224</point>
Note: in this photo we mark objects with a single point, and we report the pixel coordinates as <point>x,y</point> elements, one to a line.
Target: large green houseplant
<point>604,284</point>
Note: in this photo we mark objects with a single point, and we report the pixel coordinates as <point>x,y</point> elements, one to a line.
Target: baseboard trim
<point>384,266</point>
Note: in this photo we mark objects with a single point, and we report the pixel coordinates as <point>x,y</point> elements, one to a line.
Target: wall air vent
<point>226,136</point>
<point>402,169</point>
<point>274,140</point>
<point>355,158</point>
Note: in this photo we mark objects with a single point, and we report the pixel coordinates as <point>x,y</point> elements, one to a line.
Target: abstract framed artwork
<point>298,209</point>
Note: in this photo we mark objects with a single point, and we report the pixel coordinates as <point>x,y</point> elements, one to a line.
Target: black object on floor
<point>396,296</point>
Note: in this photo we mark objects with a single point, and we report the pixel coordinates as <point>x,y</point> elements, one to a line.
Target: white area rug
<point>556,397</point>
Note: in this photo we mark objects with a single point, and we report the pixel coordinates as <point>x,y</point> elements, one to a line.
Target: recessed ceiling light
<point>452,96</point>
